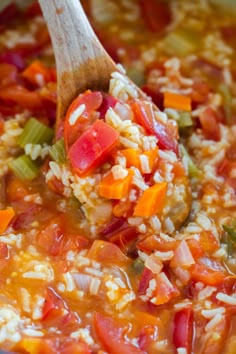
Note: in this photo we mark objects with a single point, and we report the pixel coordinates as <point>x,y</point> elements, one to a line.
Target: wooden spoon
<point>81,60</point>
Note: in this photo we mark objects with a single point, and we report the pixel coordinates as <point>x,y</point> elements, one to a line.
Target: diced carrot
<point>152,157</point>
<point>6,216</point>
<point>132,157</point>
<point>177,101</point>
<point>37,345</point>
<point>152,200</point>
<point>115,188</point>
<point>36,68</point>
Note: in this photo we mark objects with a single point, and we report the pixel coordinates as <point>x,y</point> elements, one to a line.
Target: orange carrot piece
<point>6,216</point>
<point>152,157</point>
<point>152,200</point>
<point>115,188</point>
<point>177,101</point>
<point>37,68</point>
<point>132,157</point>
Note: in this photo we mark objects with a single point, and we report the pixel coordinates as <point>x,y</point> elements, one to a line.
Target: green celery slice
<point>193,170</point>
<point>181,42</point>
<point>185,120</point>
<point>57,151</point>
<point>35,132</point>
<point>24,167</point>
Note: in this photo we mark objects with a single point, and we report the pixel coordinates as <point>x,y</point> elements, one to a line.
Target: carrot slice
<point>177,101</point>
<point>115,188</point>
<point>152,200</point>
<point>132,157</point>
<point>36,68</point>
<point>6,216</point>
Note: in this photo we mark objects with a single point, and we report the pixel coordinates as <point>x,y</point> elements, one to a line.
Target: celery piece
<point>24,167</point>
<point>227,100</point>
<point>138,265</point>
<point>185,120</point>
<point>35,132</point>
<point>57,151</point>
<point>193,170</point>
<point>136,75</point>
<point>181,42</point>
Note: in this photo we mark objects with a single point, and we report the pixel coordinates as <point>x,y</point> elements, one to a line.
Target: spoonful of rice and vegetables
<point>115,151</point>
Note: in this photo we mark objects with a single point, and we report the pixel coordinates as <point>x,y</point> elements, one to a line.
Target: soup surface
<point>118,226</point>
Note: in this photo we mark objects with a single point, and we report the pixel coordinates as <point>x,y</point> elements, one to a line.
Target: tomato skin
<point>92,101</point>
<point>144,114</point>
<point>206,275</point>
<point>111,336</point>
<point>183,329</point>
<point>156,14</point>
<point>209,123</point>
<point>92,148</point>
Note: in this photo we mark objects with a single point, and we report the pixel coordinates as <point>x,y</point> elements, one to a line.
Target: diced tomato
<point>51,237</point>
<point>4,251</point>
<point>144,114</point>
<point>15,189</point>
<point>208,241</point>
<point>107,102</point>
<point>33,10</point>
<point>92,101</point>
<point>210,124</point>
<point>123,236</point>
<point>165,290</point>
<point>156,14</point>
<point>147,275</point>
<point>106,252</point>
<point>146,337</point>
<point>8,74</point>
<point>155,94</point>
<point>183,329</point>
<point>156,243</point>
<point>92,148</point>
<point>19,95</point>
<point>195,248</point>
<point>206,275</point>
<point>112,336</point>
<point>74,347</point>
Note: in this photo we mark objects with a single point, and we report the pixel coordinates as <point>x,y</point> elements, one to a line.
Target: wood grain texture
<point>81,60</point>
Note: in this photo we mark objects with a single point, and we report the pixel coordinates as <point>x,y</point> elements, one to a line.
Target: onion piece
<point>182,256</point>
<point>82,281</point>
<point>153,264</point>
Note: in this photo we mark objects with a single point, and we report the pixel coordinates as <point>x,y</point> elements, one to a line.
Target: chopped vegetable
<point>193,170</point>
<point>181,42</point>
<point>230,237</point>
<point>112,336</point>
<point>112,188</point>
<point>182,256</point>
<point>165,290</point>
<point>145,116</point>
<point>92,148</point>
<point>185,120</point>
<point>183,329</point>
<point>206,275</point>
<point>6,216</point>
<point>210,124</point>
<point>156,14</point>
<point>152,200</point>
<point>227,100</point>
<point>24,167</point>
<point>138,265</point>
<point>57,151</point>
<point>35,132</point>
<point>177,101</point>
<point>80,115</point>
<point>134,158</point>
<point>37,73</point>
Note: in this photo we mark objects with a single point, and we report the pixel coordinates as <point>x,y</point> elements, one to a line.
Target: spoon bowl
<point>81,60</point>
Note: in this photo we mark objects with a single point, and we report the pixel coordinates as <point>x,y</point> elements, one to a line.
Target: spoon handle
<point>81,60</point>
